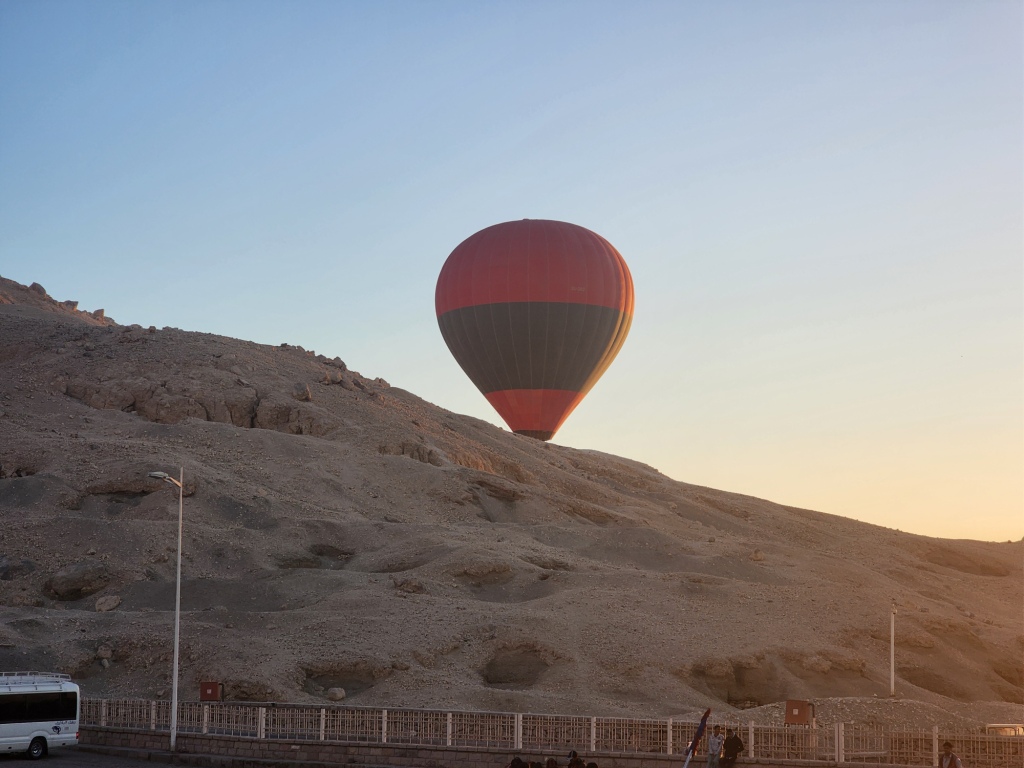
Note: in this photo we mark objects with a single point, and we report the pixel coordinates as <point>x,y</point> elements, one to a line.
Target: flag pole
<point>690,750</point>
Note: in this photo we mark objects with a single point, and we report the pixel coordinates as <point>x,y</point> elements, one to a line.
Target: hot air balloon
<point>534,311</point>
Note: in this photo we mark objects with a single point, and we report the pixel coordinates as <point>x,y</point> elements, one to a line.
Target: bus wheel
<point>37,748</point>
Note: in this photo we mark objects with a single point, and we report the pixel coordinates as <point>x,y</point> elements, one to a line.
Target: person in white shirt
<point>715,741</point>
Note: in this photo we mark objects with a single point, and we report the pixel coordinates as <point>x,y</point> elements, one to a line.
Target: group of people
<point>722,753</point>
<point>723,750</point>
<point>575,761</point>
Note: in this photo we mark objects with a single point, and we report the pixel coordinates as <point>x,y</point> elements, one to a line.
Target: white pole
<point>892,651</point>
<point>177,615</point>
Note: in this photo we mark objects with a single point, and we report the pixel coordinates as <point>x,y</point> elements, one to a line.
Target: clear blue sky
<point>821,204</point>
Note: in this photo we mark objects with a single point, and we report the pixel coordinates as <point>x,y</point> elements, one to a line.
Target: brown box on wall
<point>799,712</point>
<point>209,691</point>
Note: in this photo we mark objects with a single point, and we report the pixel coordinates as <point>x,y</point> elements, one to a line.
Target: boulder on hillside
<point>107,603</point>
<point>78,580</point>
<point>12,569</point>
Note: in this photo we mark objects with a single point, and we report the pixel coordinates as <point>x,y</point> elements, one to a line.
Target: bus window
<point>68,706</point>
<point>38,707</point>
<point>12,708</point>
<point>43,707</point>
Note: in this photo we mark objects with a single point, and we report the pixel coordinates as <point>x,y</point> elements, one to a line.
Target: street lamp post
<point>177,599</point>
<point>892,651</point>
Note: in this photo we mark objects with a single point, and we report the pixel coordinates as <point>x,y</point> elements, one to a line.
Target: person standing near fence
<point>715,741</point>
<point>947,759</point>
<point>731,748</point>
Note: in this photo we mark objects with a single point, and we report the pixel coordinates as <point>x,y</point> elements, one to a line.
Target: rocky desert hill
<point>341,532</point>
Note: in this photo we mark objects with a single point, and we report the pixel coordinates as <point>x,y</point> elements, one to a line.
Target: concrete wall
<point>394,755</point>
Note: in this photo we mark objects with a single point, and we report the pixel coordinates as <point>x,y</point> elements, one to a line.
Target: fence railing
<point>533,733</point>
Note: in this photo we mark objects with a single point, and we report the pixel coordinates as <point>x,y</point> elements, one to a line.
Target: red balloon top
<point>534,260</point>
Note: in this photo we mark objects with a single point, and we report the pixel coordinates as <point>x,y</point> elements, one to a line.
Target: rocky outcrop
<point>78,580</point>
<point>13,569</point>
<point>283,415</point>
<point>170,401</point>
<point>227,399</point>
<point>497,489</point>
<point>35,295</point>
<point>415,450</point>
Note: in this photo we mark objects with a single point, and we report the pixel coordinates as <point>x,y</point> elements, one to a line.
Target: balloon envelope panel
<point>534,311</point>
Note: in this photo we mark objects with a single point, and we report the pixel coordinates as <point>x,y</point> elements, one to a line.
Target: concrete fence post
<point>261,723</point>
<point>449,719</point>
<point>750,740</point>
<point>517,739</point>
<point>103,713</point>
<point>593,734</point>
<point>668,738</point>
<point>836,737</point>
<point>383,726</point>
<point>323,723</point>
<point>840,742</point>
<point>206,718</point>
<point>152,715</point>
<point>935,745</point>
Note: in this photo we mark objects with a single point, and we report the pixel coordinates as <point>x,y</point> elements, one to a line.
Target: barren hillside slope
<point>343,532</point>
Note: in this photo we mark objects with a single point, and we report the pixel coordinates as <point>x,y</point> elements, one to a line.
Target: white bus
<point>1005,729</point>
<point>38,710</point>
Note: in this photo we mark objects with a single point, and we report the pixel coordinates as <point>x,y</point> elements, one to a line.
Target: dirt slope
<point>341,532</point>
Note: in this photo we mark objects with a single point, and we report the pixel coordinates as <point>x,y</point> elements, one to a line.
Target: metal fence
<point>533,733</point>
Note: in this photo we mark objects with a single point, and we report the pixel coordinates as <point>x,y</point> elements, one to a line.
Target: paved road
<point>70,757</point>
